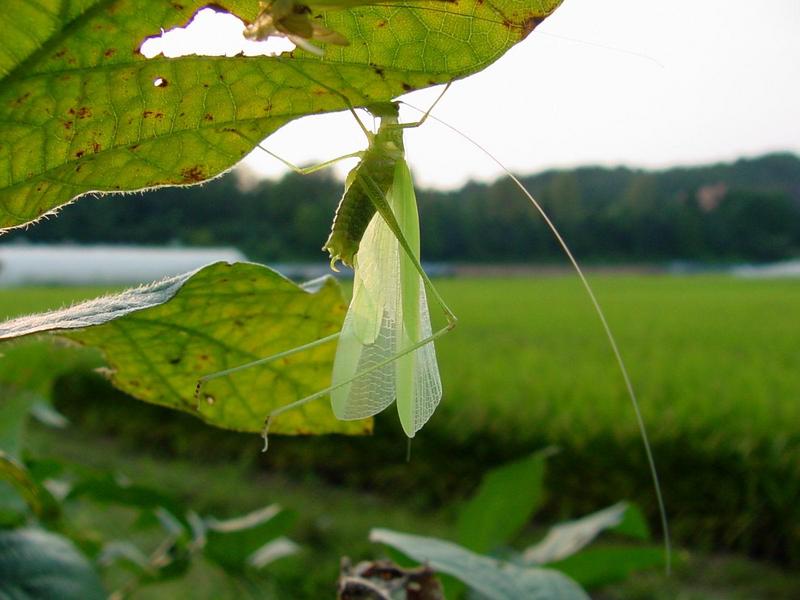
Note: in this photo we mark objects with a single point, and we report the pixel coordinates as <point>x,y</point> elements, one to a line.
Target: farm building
<point>73,264</point>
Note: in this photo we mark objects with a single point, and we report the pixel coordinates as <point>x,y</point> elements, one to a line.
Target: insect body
<point>375,173</point>
<point>387,318</point>
<point>385,349</point>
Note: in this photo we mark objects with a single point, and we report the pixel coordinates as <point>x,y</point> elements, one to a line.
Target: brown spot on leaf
<point>79,153</point>
<point>208,117</point>
<point>193,174</point>
<point>378,70</point>
<point>67,124</point>
<point>382,23</point>
<point>530,24</point>
<point>21,99</point>
<point>95,147</point>
<point>178,7</point>
<point>60,53</point>
<point>110,52</point>
<point>83,112</point>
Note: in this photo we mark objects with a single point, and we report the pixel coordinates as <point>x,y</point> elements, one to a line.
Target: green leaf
<point>36,565</point>
<point>80,110</point>
<point>159,339</point>
<point>242,541</point>
<point>570,537</point>
<point>38,499</point>
<point>15,481</point>
<point>503,504</point>
<point>491,578</point>
<point>14,408</point>
<point>600,566</point>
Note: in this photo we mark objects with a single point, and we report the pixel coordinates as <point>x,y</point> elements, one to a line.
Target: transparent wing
<point>388,314</point>
<point>370,328</point>
<point>427,383</point>
<point>419,388</point>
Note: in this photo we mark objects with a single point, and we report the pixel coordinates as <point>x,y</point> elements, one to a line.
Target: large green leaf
<point>503,504</point>
<point>37,565</point>
<point>80,109</point>
<point>159,339</point>
<point>491,578</point>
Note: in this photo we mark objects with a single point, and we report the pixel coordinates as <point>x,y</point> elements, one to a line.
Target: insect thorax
<point>375,172</point>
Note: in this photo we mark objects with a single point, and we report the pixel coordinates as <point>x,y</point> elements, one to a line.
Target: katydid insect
<point>385,350</point>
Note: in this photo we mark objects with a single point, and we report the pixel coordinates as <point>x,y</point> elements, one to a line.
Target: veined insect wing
<point>369,329</point>
<point>419,386</point>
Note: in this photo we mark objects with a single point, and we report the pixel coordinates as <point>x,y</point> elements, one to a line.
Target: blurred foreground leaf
<point>39,500</point>
<point>159,339</point>
<point>566,539</point>
<point>244,541</point>
<point>82,110</point>
<point>35,564</point>
<point>491,578</point>
<point>503,504</point>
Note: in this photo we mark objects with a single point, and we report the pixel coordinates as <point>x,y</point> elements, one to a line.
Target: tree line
<point>746,210</point>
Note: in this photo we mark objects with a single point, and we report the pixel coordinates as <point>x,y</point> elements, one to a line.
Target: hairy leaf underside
<point>82,110</point>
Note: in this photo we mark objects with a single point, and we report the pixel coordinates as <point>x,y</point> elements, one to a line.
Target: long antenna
<point>611,339</point>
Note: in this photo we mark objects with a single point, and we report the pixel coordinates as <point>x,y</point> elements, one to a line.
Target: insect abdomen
<point>355,209</point>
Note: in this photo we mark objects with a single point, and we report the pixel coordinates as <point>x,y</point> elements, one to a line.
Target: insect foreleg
<point>295,168</point>
<point>427,112</point>
<point>312,168</point>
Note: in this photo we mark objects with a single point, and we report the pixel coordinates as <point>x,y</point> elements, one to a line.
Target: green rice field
<point>715,361</point>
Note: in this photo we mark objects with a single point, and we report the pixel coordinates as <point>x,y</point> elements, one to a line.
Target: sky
<point>618,82</point>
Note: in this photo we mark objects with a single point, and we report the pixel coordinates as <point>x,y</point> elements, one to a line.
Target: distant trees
<point>748,210</point>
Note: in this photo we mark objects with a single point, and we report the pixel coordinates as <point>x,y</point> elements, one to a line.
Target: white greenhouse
<point>72,264</point>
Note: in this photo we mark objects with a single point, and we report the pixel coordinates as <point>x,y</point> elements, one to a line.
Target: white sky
<point>631,82</point>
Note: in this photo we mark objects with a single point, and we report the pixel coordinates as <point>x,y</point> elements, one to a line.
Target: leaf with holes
<point>82,110</point>
<point>159,339</point>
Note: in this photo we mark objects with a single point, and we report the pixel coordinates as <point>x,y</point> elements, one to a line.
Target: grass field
<point>716,362</point>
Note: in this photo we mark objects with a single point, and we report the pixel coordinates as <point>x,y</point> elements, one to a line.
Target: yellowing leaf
<point>159,339</point>
<point>81,110</point>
